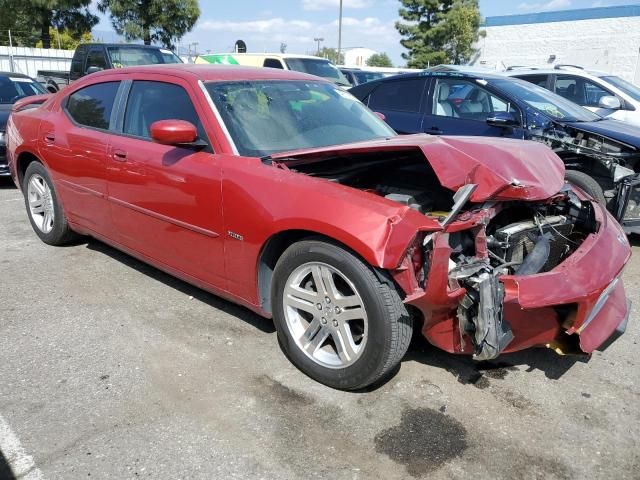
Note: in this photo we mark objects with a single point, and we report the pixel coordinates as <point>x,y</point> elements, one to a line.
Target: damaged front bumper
<point>577,306</point>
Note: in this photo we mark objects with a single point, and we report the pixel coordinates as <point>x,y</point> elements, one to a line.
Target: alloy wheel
<point>40,203</point>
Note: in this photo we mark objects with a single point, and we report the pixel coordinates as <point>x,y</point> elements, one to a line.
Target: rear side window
<point>273,63</point>
<point>540,80</point>
<point>400,95</point>
<point>78,60</point>
<point>151,101</point>
<point>91,106</point>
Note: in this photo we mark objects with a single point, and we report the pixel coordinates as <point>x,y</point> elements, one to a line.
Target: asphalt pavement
<point>110,368</point>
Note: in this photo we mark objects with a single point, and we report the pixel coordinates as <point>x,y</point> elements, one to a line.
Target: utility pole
<point>318,39</point>
<point>10,53</point>
<point>339,34</point>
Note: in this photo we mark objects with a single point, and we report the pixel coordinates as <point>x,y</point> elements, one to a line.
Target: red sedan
<point>283,193</point>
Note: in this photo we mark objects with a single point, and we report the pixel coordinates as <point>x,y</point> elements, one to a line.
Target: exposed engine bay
<point>489,239</point>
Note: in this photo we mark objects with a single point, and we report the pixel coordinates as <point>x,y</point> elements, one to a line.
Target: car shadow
<point>468,371</point>
<point>634,239</point>
<point>5,469</point>
<point>263,324</point>
<point>6,183</point>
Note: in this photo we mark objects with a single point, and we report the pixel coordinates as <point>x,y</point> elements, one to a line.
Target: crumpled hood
<point>503,169</point>
<point>614,129</point>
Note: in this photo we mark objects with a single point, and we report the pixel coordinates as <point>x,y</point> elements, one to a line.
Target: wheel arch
<point>275,246</point>
<point>23,160</point>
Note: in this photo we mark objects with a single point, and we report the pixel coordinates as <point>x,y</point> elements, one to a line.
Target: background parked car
<point>605,94</point>
<point>13,87</point>
<point>320,67</point>
<point>357,76</point>
<point>94,57</point>
<point>601,156</point>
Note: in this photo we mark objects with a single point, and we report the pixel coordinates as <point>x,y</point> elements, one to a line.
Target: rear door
<point>166,201</point>
<point>400,100</point>
<point>75,144</point>
<point>461,106</point>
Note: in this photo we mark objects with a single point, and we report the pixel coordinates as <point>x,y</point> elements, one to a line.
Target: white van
<point>321,67</point>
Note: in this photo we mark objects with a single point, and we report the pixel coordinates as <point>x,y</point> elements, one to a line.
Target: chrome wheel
<point>325,315</point>
<point>40,203</point>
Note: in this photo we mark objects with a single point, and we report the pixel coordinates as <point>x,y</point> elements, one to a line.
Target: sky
<point>264,25</point>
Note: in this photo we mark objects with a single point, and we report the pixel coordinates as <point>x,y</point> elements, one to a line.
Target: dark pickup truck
<point>93,57</point>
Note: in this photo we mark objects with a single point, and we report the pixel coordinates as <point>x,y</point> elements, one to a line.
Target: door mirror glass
<point>91,70</point>
<point>174,132</point>
<point>502,119</point>
<point>610,102</point>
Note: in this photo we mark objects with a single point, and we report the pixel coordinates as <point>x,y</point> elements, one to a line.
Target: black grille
<point>520,240</point>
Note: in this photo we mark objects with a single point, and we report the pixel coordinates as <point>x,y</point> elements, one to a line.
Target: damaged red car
<point>281,192</point>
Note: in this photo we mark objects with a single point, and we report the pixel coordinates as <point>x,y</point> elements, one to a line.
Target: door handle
<point>433,131</point>
<point>49,138</point>
<point>120,155</point>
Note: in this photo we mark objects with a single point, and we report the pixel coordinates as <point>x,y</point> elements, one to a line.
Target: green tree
<point>66,40</point>
<point>379,60</point>
<point>438,31</point>
<point>331,54</point>
<point>161,21</point>
<point>32,20</point>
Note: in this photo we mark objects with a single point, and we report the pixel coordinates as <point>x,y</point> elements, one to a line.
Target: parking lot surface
<point>111,369</point>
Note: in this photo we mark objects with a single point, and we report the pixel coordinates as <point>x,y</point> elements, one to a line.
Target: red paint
<point>173,132</point>
<point>206,217</point>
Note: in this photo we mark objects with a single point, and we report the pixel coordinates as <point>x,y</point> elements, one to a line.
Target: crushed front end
<point>505,276</point>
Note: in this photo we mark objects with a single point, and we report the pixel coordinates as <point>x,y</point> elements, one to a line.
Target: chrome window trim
<point>218,117</point>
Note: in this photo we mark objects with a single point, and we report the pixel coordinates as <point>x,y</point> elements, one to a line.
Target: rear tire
<point>44,208</point>
<point>349,332</point>
<point>587,184</point>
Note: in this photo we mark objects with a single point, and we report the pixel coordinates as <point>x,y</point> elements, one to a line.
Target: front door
<point>459,106</point>
<point>166,201</point>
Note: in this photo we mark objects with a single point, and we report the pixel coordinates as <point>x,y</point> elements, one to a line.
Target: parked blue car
<point>601,156</point>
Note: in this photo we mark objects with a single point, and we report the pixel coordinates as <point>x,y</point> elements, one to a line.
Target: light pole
<point>339,34</point>
<point>318,39</point>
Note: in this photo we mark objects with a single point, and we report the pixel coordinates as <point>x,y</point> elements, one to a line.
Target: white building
<point>606,39</point>
<point>357,57</point>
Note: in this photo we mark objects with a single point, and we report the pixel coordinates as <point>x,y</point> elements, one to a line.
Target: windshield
<point>364,77</point>
<point>131,56</point>
<point>266,117</point>
<point>552,105</point>
<point>13,89</point>
<point>319,68</point>
<point>627,87</point>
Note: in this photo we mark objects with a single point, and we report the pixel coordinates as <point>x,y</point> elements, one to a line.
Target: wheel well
<point>23,162</point>
<point>273,250</point>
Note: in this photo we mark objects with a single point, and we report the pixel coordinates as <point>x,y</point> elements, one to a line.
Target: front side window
<point>130,56</point>
<point>91,106</point>
<point>579,90</point>
<point>96,58</point>
<point>465,99</point>
<point>266,117</point>
<point>398,95</point>
<point>151,101</point>
<point>552,105</point>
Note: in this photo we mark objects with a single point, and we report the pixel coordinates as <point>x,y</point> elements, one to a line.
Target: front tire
<point>43,207</point>
<point>337,321</point>
<point>586,184</point>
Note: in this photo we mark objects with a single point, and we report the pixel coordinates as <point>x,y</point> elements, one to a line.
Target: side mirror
<point>91,70</point>
<point>502,119</point>
<point>381,116</point>
<point>609,102</point>
<point>174,132</point>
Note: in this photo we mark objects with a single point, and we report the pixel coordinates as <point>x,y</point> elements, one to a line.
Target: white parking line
<point>21,463</point>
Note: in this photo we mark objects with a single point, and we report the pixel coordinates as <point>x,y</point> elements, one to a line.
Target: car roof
<point>14,74</point>
<point>555,71</point>
<point>449,73</point>
<point>123,45</point>
<point>214,72</point>
<point>281,55</point>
